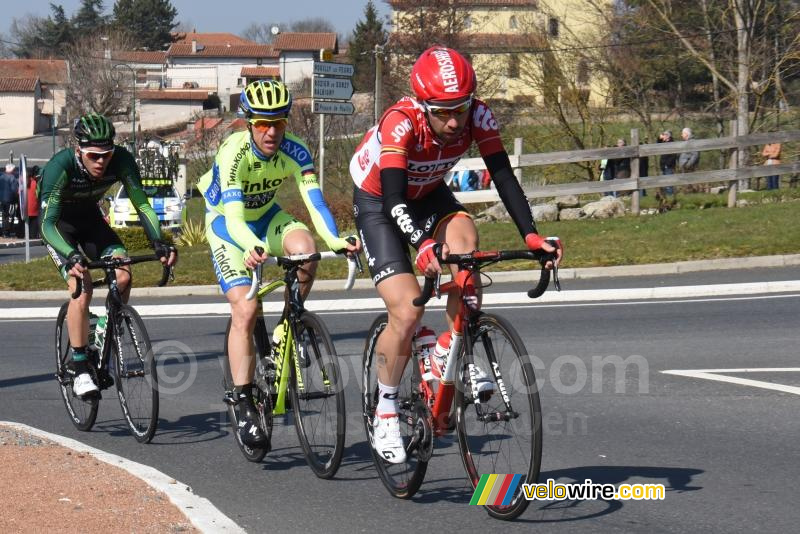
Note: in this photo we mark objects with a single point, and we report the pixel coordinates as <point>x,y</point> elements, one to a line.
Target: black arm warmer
<point>510,192</point>
<point>394,185</point>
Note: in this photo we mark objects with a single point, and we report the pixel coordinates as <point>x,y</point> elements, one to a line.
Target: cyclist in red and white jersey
<point>401,199</point>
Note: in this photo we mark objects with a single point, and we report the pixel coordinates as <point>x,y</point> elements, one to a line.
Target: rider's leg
<point>300,241</point>
<point>241,350</point>
<point>124,282</point>
<point>461,236</point>
<point>393,348</point>
<point>78,312</point>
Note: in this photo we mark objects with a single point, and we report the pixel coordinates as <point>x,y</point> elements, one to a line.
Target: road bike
<point>125,358</point>
<point>303,364</point>
<point>499,430</point>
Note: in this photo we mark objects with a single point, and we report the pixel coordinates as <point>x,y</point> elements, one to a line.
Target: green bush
<point>135,238</point>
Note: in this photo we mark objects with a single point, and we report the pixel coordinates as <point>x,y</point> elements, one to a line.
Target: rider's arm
<point>321,216</point>
<point>132,182</point>
<point>394,185</point>
<point>510,192</point>
<point>54,180</point>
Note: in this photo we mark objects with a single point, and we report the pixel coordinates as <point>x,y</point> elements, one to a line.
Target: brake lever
<point>556,282</point>
<point>436,290</point>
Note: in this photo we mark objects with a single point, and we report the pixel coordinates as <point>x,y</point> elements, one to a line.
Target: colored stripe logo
<point>495,490</point>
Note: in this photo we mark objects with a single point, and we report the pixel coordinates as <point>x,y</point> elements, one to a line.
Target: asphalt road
<point>726,452</point>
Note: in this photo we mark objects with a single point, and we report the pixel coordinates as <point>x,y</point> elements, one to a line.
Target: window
<point>239,82</point>
<point>467,22</point>
<point>583,71</point>
<point>513,66</point>
<point>512,22</point>
<point>552,27</point>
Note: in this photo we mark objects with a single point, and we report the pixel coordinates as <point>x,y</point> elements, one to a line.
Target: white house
<point>165,107</point>
<point>19,114</point>
<point>298,51</point>
<point>53,75</point>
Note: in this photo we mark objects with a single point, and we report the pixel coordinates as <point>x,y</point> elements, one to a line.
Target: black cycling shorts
<point>384,245</point>
<point>83,225</point>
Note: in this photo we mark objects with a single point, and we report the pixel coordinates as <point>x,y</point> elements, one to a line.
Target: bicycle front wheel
<point>317,393</point>
<point>82,411</point>
<point>402,480</point>
<point>499,417</point>
<point>135,372</point>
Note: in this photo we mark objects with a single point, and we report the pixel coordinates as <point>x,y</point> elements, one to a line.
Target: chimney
<point>194,46</point>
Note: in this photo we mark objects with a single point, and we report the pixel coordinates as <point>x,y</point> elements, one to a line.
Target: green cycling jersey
<point>242,184</point>
<point>66,184</point>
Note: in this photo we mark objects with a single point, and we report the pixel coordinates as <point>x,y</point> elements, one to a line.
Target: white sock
<point>387,399</point>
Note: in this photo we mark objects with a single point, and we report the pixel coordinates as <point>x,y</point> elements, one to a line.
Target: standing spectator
<point>486,179</point>
<point>618,168</point>
<point>33,202</point>
<point>667,162</point>
<point>772,155</point>
<point>687,161</point>
<point>8,184</point>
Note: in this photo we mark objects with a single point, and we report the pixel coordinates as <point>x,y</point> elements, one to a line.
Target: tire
<point>402,480</point>
<point>511,446</point>
<point>135,373</point>
<point>261,396</point>
<point>82,412</point>
<point>317,394</point>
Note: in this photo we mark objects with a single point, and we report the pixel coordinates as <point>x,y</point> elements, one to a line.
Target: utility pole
<point>378,81</point>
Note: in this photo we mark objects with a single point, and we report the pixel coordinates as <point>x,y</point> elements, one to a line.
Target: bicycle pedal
<point>230,399</point>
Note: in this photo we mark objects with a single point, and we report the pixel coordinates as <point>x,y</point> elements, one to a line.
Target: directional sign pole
<point>322,152</point>
<point>23,204</point>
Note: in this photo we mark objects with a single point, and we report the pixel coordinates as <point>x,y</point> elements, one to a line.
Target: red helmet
<point>441,73</point>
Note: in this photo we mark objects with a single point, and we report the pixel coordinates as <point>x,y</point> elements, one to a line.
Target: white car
<point>168,205</point>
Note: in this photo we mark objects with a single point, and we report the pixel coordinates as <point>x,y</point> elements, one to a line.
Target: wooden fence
<point>636,183</point>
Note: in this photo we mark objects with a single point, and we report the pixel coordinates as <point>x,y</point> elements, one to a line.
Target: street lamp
<point>133,105</point>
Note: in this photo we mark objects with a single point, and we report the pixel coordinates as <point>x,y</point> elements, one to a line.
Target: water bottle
<point>92,325</point>
<point>100,333</point>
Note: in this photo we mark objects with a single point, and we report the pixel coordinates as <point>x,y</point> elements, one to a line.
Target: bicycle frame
<point>462,325</point>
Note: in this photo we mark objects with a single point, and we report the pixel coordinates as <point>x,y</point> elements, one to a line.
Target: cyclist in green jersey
<point>242,215</point>
<point>73,227</point>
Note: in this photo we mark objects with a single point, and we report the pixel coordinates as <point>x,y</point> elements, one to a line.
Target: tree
<point>89,17</point>
<point>367,33</point>
<point>37,37</point>
<point>149,23</point>
<point>312,25</point>
<point>261,32</point>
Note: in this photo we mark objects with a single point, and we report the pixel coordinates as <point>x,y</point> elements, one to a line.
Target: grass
<point>683,234</point>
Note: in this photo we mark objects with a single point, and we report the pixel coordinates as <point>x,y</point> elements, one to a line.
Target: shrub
<point>135,238</point>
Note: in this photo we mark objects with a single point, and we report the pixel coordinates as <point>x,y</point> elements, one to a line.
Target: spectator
<point>772,156</point>
<point>33,202</point>
<point>687,161</point>
<point>644,167</point>
<point>8,189</point>
<point>486,179</point>
<point>617,169</point>
<point>667,162</point>
<point>466,181</point>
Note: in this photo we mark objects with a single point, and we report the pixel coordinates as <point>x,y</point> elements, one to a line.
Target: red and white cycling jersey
<point>402,139</point>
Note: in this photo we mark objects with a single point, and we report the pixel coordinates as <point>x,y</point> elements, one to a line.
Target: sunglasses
<point>262,125</point>
<point>96,156</point>
<point>447,111</point>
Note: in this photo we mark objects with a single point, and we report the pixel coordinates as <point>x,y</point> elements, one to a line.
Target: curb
<point>20,244</point>
<point>587,273</point>
<point>200,511</point>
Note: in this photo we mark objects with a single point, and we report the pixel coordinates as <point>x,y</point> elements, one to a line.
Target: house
<point>149,68</point>
<point>19,113</point>
<point>504,38</point>
<point>214,62</point>
<point>157,108</point>
<point>298,52</point>
<point>53,76</point>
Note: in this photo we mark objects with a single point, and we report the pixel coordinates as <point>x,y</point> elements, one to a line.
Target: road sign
<point>333,69</point>
<point>333,108</point>
<point>333,88</point>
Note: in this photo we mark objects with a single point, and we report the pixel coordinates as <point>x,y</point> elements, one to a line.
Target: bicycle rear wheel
<point>317,394</point>
<point>261,397</point>
<point>499,431</point>
<point>402,480</point>
<point>82,411</point>
<point>135,372</point>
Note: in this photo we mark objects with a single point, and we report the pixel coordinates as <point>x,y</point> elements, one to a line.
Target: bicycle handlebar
<point>475,258</point>
<point>115,263</point>
<point>354,265</point>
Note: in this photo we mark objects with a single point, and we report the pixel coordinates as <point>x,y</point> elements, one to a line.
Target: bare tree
<point>97,83</point>
<point>261,32</point>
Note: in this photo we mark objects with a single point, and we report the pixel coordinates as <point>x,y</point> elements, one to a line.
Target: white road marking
<point>551,298</point>
<point>715,374</point>
<point>200,511</point>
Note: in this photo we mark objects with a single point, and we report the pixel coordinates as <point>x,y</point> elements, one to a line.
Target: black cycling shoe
<point>250,434</point>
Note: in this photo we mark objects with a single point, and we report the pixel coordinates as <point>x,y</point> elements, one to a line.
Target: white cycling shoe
<point>483,381</point>
<point>84,385</point>
<point>387,440</point>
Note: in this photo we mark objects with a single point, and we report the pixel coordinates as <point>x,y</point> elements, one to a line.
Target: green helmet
<point>94,129</point>
<point>265,97</point>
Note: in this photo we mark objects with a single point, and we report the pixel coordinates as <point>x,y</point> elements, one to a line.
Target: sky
<point>224,16</point>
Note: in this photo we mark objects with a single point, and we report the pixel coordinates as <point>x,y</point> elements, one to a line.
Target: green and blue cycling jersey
<point>239,191</point>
